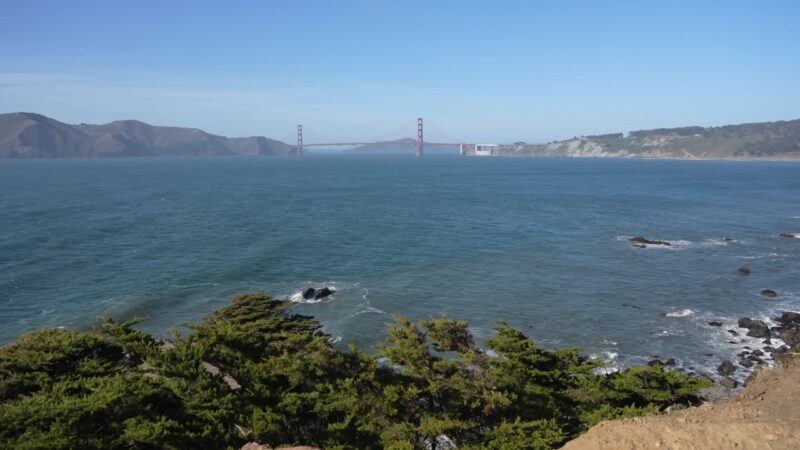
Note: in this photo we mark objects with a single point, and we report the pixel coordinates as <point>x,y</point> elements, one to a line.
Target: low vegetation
<point>254,371</point>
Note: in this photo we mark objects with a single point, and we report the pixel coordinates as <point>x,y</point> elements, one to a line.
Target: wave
<point>763,255</point>
<point>370,309</point>
<point>730,342</point>
<point>609,359</point>
<point>720,241</point>
<point>194,285</point>
<point>678,244</point>
<point>680,313</point>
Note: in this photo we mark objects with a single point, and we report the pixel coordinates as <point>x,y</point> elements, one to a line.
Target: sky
<point>477,71</point>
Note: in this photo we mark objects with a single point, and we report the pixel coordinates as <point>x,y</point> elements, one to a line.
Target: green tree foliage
<point>255,371</point>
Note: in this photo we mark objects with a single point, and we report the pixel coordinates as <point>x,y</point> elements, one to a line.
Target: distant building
<point>477,149</point>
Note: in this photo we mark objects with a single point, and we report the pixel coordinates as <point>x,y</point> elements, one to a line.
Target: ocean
<point>539,243</point>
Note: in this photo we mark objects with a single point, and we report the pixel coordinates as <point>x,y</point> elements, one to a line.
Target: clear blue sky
<point>480,71</point>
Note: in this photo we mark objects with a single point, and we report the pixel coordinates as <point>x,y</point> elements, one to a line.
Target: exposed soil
<point>765,416</point>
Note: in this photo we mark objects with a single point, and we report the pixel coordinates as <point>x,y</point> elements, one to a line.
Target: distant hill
<point>405,146</point>
<point>28,135</point>
<point>767,140</point>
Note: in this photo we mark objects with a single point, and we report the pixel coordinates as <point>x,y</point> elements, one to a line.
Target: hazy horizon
<point>363,69</point>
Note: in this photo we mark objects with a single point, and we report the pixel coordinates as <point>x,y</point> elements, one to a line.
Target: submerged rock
<point>643,240</point>
<point>744,270</point>
<point>769,293</point>
<point>714,323</point>
<point>789,235</point>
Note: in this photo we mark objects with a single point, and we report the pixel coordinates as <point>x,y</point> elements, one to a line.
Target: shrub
<point>255,371</point>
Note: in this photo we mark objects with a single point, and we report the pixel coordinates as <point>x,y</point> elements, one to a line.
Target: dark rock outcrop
<point>644,241</point>
<point>744,270</point>
<point>714,323</point>
<point>756,328</point>
<point>791,337</point>
<point>789,319</point>
<point>769,293</point>
<point>789,235</point>
<point>744,362</point>
<point>726,368</point>
<point>323,292</point>
<point>317,294</point>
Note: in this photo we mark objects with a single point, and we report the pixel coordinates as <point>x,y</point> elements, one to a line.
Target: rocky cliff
<point>767,140</point>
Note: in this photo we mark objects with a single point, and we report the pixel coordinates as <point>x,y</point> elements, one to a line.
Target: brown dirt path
<point>765,416</point>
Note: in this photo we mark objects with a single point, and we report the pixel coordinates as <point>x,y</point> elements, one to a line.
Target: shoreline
<point>762,415</point>
<point>649,158</point>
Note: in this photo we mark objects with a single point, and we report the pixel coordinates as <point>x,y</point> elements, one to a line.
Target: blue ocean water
<point>539,243</point>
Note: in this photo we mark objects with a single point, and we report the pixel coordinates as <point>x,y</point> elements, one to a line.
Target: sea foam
<point>680,313</point>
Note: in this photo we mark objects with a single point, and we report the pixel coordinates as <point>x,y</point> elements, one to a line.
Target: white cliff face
<point>573,148</point>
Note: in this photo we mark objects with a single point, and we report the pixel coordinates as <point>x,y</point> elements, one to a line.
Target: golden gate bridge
<point>420,143</point>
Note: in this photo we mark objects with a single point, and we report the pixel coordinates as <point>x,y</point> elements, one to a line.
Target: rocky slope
<point>765,416</point>
<point>767,140</point>
<point>28,135</point>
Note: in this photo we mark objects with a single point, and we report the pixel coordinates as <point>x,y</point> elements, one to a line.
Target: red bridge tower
<point>419,136</point>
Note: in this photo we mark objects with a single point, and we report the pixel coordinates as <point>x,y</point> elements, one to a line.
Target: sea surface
<point>539,243</point>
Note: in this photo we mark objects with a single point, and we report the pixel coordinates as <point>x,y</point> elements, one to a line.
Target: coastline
<point>652,158</point>
<point>763,415</point>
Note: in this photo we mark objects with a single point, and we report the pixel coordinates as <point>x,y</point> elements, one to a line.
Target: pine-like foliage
<point>253,371</point>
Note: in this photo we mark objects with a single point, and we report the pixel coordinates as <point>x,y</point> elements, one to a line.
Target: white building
<point>477,149</point>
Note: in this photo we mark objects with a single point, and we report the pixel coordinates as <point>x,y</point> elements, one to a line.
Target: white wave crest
<point>680,313</point>
<point>762,256</point>
<point>720,241</point>
<point>609,362</point>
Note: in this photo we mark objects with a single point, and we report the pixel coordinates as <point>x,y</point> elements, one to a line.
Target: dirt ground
<point>765,416</point>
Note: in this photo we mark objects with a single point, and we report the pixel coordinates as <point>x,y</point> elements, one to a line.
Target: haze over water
<point>540,243</point>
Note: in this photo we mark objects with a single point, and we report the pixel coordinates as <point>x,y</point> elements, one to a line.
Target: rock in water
<point>789,235</point>
<point>308,293</point>
<point>756,328</point>
<point>746,363</point>
<point>323,292</point>
<point>726,368</point>
<point>644,240</point>
<point>789,318</point>
<point>769,293</point>
<point>744,270</point>
<point>714,323</point>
